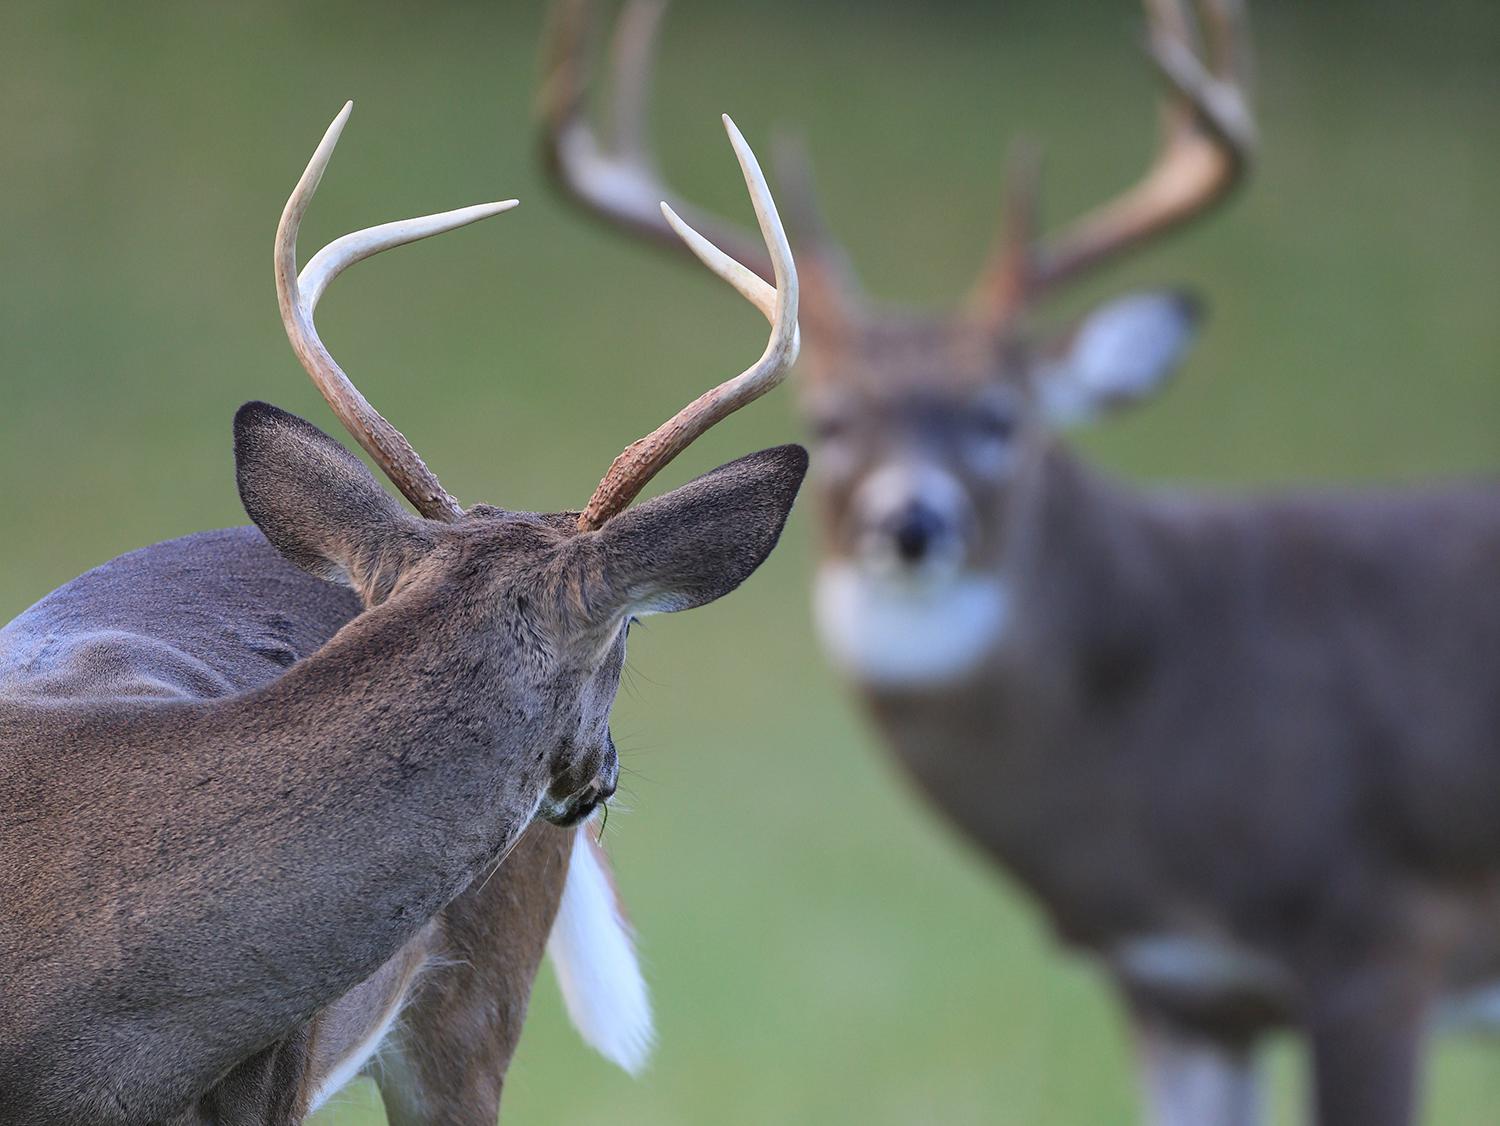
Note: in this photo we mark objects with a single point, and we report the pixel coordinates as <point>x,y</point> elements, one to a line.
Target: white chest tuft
<point>893,632</point>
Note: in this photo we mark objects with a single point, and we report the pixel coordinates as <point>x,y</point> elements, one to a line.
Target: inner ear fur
<point>1118,354</point>
<point>320,506</point>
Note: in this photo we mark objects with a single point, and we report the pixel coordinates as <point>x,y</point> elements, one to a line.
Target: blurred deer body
<point>274,798</point>
<point>1243,751</point>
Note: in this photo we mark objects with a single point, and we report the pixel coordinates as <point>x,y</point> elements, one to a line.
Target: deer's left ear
<point>695,543</point>
<point>1119,354</point>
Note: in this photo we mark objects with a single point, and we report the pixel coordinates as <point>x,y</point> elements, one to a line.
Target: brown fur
<point>1269,724</point>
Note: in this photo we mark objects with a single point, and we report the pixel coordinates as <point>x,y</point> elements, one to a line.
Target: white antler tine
<point>748,283</point>
<point>356,246</point>
<point>758,292</point>
<point>298,297</point>
<point>644,458</point>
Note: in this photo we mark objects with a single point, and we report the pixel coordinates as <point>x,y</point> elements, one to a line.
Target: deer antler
<point>1208,137</point>
<point>298,297</point>
<point>644,458</point>
<point>616,177</point>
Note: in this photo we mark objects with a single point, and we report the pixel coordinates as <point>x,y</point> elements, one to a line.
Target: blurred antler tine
<point>298,297</point>
<point>1216,99</point>
<point>632,61</point>
<point>644,458</point>
<point>1208,139</point>
<point>830,289</point>
<point>616,182</point>
<point>1225,25</point>
<point>1007,276</point>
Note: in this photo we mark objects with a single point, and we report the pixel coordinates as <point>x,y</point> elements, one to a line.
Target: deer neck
<point>318,823</point>
<point>412,736</point>
<point>1079,572</point>
<point>1011,751</point>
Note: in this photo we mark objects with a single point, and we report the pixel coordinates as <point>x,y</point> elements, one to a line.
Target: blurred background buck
<point>1243,751</point>
<point>1351,338</point>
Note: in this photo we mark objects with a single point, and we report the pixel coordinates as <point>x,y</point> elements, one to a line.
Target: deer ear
<point>319,505</point>
<point>1118,355</point>
<point>696,543</point>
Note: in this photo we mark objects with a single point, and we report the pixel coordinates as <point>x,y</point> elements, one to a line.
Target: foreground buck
<point>251,820</point>
<point>1246,752</point>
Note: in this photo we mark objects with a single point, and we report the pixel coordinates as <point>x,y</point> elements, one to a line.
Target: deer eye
<point>829,428</point>
<point>994,424</point>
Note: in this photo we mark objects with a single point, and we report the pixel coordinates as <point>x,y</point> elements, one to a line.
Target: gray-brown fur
<point>1267,724</point>
<point>204,851</point>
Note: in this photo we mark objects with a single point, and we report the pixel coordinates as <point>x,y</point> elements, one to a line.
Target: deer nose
<point>914,530</point>
<point>579,805</point>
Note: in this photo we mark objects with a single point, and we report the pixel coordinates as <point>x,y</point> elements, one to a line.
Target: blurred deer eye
<point>995,425</point>
<point>829,428</point>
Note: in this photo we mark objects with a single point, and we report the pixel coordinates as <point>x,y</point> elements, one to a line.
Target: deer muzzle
<point>580,806</point>
<point>913,520</point>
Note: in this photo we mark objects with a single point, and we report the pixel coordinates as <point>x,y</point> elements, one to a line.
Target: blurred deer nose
<point>914,531</point>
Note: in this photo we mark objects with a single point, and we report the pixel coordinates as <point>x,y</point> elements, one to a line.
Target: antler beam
<point>644,458</point>
<point>298,298</point>
<point>615,177</point>
<point>1207,142</point>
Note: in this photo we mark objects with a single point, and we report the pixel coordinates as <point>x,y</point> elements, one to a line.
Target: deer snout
<point>581,804</point>
<point>913,519</point>
<point>915,530</point>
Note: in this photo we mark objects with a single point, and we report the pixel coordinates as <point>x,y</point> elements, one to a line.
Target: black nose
<point>592,796</point>
<point>582,807</point>
<point>914,531</point>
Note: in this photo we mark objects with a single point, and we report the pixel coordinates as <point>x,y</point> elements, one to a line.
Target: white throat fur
<point>889,631</point>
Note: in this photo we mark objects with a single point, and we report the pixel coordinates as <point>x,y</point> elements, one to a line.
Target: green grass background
<point>821,950</point>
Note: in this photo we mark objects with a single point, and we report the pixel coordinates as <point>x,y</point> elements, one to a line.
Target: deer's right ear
<point>695,543</point>
<point>318,504</point>
<point>1118,355</point>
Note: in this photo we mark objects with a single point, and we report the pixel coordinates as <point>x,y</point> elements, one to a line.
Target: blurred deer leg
<point>1194,1081</point>
<point>449,1056</point>
<point>1367,1030</point>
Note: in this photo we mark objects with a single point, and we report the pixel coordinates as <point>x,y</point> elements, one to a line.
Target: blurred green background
<point>821,950</point>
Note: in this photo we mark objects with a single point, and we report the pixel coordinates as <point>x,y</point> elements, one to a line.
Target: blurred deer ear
<point>1119,354</point>
<point>696,543</point>
<point>318,504</point>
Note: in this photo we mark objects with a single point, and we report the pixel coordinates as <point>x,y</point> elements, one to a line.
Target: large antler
<point>298,297</point>
<point>1208,137</point>
<point>615,177</point>
<point>644,458</point>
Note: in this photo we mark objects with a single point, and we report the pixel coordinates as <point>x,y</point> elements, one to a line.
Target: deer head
<point>928,430</point>
<point>538,603</point>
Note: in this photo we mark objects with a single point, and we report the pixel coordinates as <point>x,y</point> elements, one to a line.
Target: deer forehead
<point>895,352</point>
<point>522,567</point>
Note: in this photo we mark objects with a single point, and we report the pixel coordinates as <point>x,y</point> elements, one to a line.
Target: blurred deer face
<point>918,429</point>
<point>927,437</point>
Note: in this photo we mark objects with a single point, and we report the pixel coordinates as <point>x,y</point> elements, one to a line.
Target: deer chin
<point>894,631</point>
